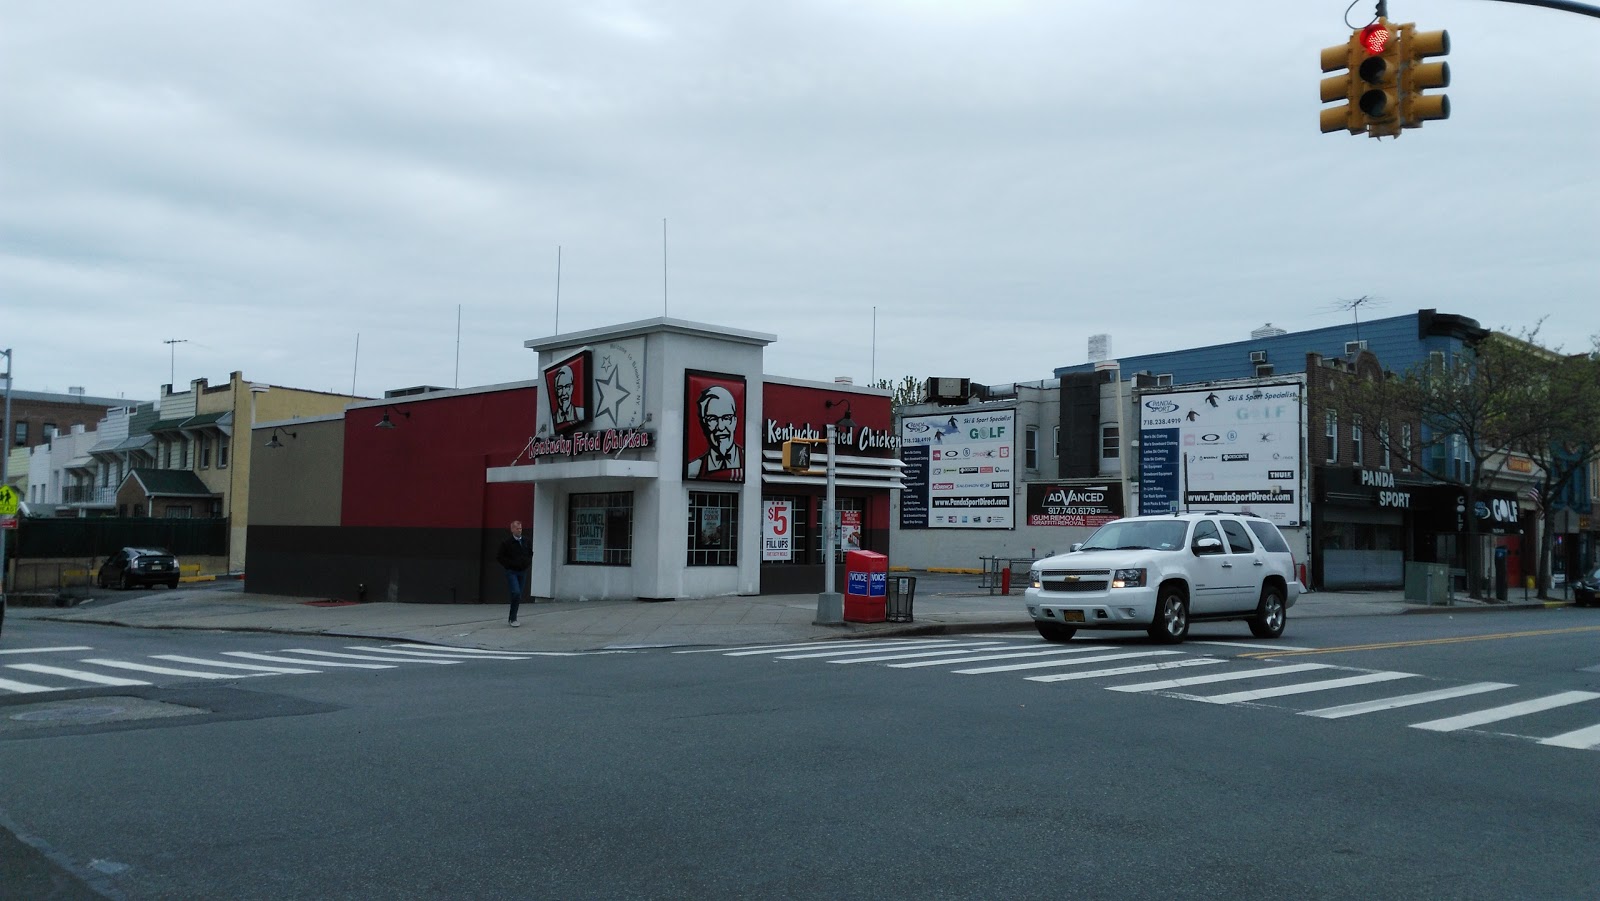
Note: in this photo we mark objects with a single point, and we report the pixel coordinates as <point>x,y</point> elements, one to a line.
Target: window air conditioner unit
<point>1164,381</point>
<point>1263,370</point>
<point>1258,356</point>
<point>1354,347</point>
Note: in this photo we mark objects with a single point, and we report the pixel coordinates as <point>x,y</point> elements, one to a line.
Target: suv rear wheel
<point>1271,616</point>
<point>1172,616</point>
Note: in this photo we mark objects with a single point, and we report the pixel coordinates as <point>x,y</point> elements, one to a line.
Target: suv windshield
<point>1161,535</point>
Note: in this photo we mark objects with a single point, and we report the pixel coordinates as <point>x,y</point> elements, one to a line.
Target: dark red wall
<point>429,470</point>
<point>802,407</point>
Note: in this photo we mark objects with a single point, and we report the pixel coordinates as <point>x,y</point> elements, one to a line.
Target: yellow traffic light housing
<point>1369,85</point>
<point>1417,76</point>
<point>797,455</point>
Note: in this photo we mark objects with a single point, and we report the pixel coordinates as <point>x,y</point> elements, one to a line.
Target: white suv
<point>1160,572</point>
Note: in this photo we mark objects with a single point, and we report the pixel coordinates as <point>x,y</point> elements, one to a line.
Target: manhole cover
<point>90,712</point>
<point>56,714</point>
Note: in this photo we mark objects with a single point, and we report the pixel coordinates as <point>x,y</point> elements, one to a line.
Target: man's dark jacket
<point>515,554</point>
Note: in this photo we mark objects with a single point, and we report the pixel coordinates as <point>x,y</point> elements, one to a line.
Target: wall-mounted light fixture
<point>273,441</point>
<point>386,422</point>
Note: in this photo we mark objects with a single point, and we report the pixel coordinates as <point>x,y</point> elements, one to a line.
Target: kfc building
<point>656,467</point>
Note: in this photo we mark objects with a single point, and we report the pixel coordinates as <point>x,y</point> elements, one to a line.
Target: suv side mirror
<point>1208,546</point>
<point>1076,546</point>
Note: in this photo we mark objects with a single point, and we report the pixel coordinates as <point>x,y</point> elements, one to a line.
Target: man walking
<point>515,556</point>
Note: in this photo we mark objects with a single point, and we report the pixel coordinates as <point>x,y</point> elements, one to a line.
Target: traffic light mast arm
<point>1566,6</point>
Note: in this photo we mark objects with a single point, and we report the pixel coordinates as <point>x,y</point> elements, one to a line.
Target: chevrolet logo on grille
<point>1073,578</point>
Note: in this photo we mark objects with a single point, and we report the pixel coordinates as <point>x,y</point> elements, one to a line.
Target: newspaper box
<point>866,587</point>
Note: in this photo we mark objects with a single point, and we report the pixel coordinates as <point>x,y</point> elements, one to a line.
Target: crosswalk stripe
<point>251,655</point>
<point>167,670</point>
<point>854,651</point>
<point>1582,739</point>
<point>23,688</point>
<point>1127,670</point>
<point>80,675</point>
<point>1303,687</point>
<point>1169,684</point>
<point>482,652</point>
<point>849,647</point>
<point>762,648</point>
<point>941,653</point>
<point>1422,697</point>
<point>402,654</point>
<point>1074,661</point>
<point>75,647</point>
<point>365,657</point>
<point>980,658</point>
<point>179,658</point>
<point>1496,714</point>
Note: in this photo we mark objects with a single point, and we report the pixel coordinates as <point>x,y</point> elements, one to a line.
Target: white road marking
<point>1169,684</point>
<point>759,648</point>
<point>364,657</point>
<point>854,651</point>
<point>941,653</point>
<point>1075,661</point>
<point>1582,739</point>
<point>1246,644</point>
<point>1052,652</point>
<point>250,655</point>
<point>1302,688</point>
<point>78,674</point>
<point>484,652</point>
<point>1496,714</point>
<point>24,688</point>
<point>75,647</point>
<point>1127,670</point>
<point>852,645</point>
<point>179,658</point>
<point>169,671</point>
<point>434,655</point>
<point>1424,697</point>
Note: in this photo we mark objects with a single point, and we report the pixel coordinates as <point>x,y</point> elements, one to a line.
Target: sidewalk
<point>591,625</point>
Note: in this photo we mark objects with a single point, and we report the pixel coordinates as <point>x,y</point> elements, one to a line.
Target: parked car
<point>133,566</point>
<point>1159,573</point>
<point>1585,589</point>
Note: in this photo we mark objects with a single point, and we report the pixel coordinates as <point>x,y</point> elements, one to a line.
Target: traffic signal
<point>1417,76</point>
<point>797,455</point>
<point>1369,86</point>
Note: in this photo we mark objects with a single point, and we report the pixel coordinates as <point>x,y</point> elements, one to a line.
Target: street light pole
<point>5,474</point>
<point>830,603</point>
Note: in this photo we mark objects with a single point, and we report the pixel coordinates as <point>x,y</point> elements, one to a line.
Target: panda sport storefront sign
<point>1091,504</point>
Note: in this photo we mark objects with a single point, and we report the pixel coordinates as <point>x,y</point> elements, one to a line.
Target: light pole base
<point>830,609</point>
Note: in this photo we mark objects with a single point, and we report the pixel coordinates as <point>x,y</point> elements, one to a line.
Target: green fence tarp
<point>52,538</point>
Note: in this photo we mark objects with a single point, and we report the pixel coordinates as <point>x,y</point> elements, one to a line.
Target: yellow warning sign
<point>9,500</point>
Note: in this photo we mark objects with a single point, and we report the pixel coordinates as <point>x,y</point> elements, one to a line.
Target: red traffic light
<point>1375,37</point>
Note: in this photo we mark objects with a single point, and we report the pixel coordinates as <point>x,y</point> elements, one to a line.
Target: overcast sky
<point>997,179</point>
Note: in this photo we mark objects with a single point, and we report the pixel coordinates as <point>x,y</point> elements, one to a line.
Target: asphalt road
<point>728,773</point>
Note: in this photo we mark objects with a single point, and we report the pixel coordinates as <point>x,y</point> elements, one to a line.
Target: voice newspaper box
<point>866,594</point>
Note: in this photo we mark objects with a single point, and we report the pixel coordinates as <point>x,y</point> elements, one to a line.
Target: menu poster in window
<point>710,527</point>
<point>777,531</point>
<point>713,437</point>
<point>850,530</point>
<point>591,543</point>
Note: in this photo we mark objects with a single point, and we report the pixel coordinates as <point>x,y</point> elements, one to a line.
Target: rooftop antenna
<point>172,363</point>
<point>558,289</point>
<point>1354,305</point>
<point>355,364</point>
<point>663,266</point>
<point>458,346</point>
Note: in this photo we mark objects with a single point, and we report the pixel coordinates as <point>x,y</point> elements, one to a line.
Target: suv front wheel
<point>1271,616</point>
<point>1172,616</point>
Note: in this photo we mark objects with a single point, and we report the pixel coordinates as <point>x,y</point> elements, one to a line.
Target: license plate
<point>1072,616</point>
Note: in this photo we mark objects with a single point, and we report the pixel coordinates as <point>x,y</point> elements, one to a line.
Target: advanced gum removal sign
<point>1236,450</point>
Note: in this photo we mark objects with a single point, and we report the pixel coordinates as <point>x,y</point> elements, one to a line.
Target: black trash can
<point>902,591</point>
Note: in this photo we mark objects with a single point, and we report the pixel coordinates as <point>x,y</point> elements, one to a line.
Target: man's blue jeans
<point>514,586</point>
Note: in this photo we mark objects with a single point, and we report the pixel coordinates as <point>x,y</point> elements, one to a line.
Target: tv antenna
<point>172,362</point>
<point>1354,305</point>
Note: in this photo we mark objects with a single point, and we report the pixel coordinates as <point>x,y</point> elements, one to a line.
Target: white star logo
<point>610,394</point>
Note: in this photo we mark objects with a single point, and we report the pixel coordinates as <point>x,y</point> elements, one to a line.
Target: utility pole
<point>5,476</point>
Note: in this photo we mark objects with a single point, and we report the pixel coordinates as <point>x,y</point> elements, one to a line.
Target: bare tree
<point>908,390</point>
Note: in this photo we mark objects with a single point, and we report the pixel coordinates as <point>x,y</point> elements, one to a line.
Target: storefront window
<point>600,529</point>
<point>713,528</point>
<point>850,525</point>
